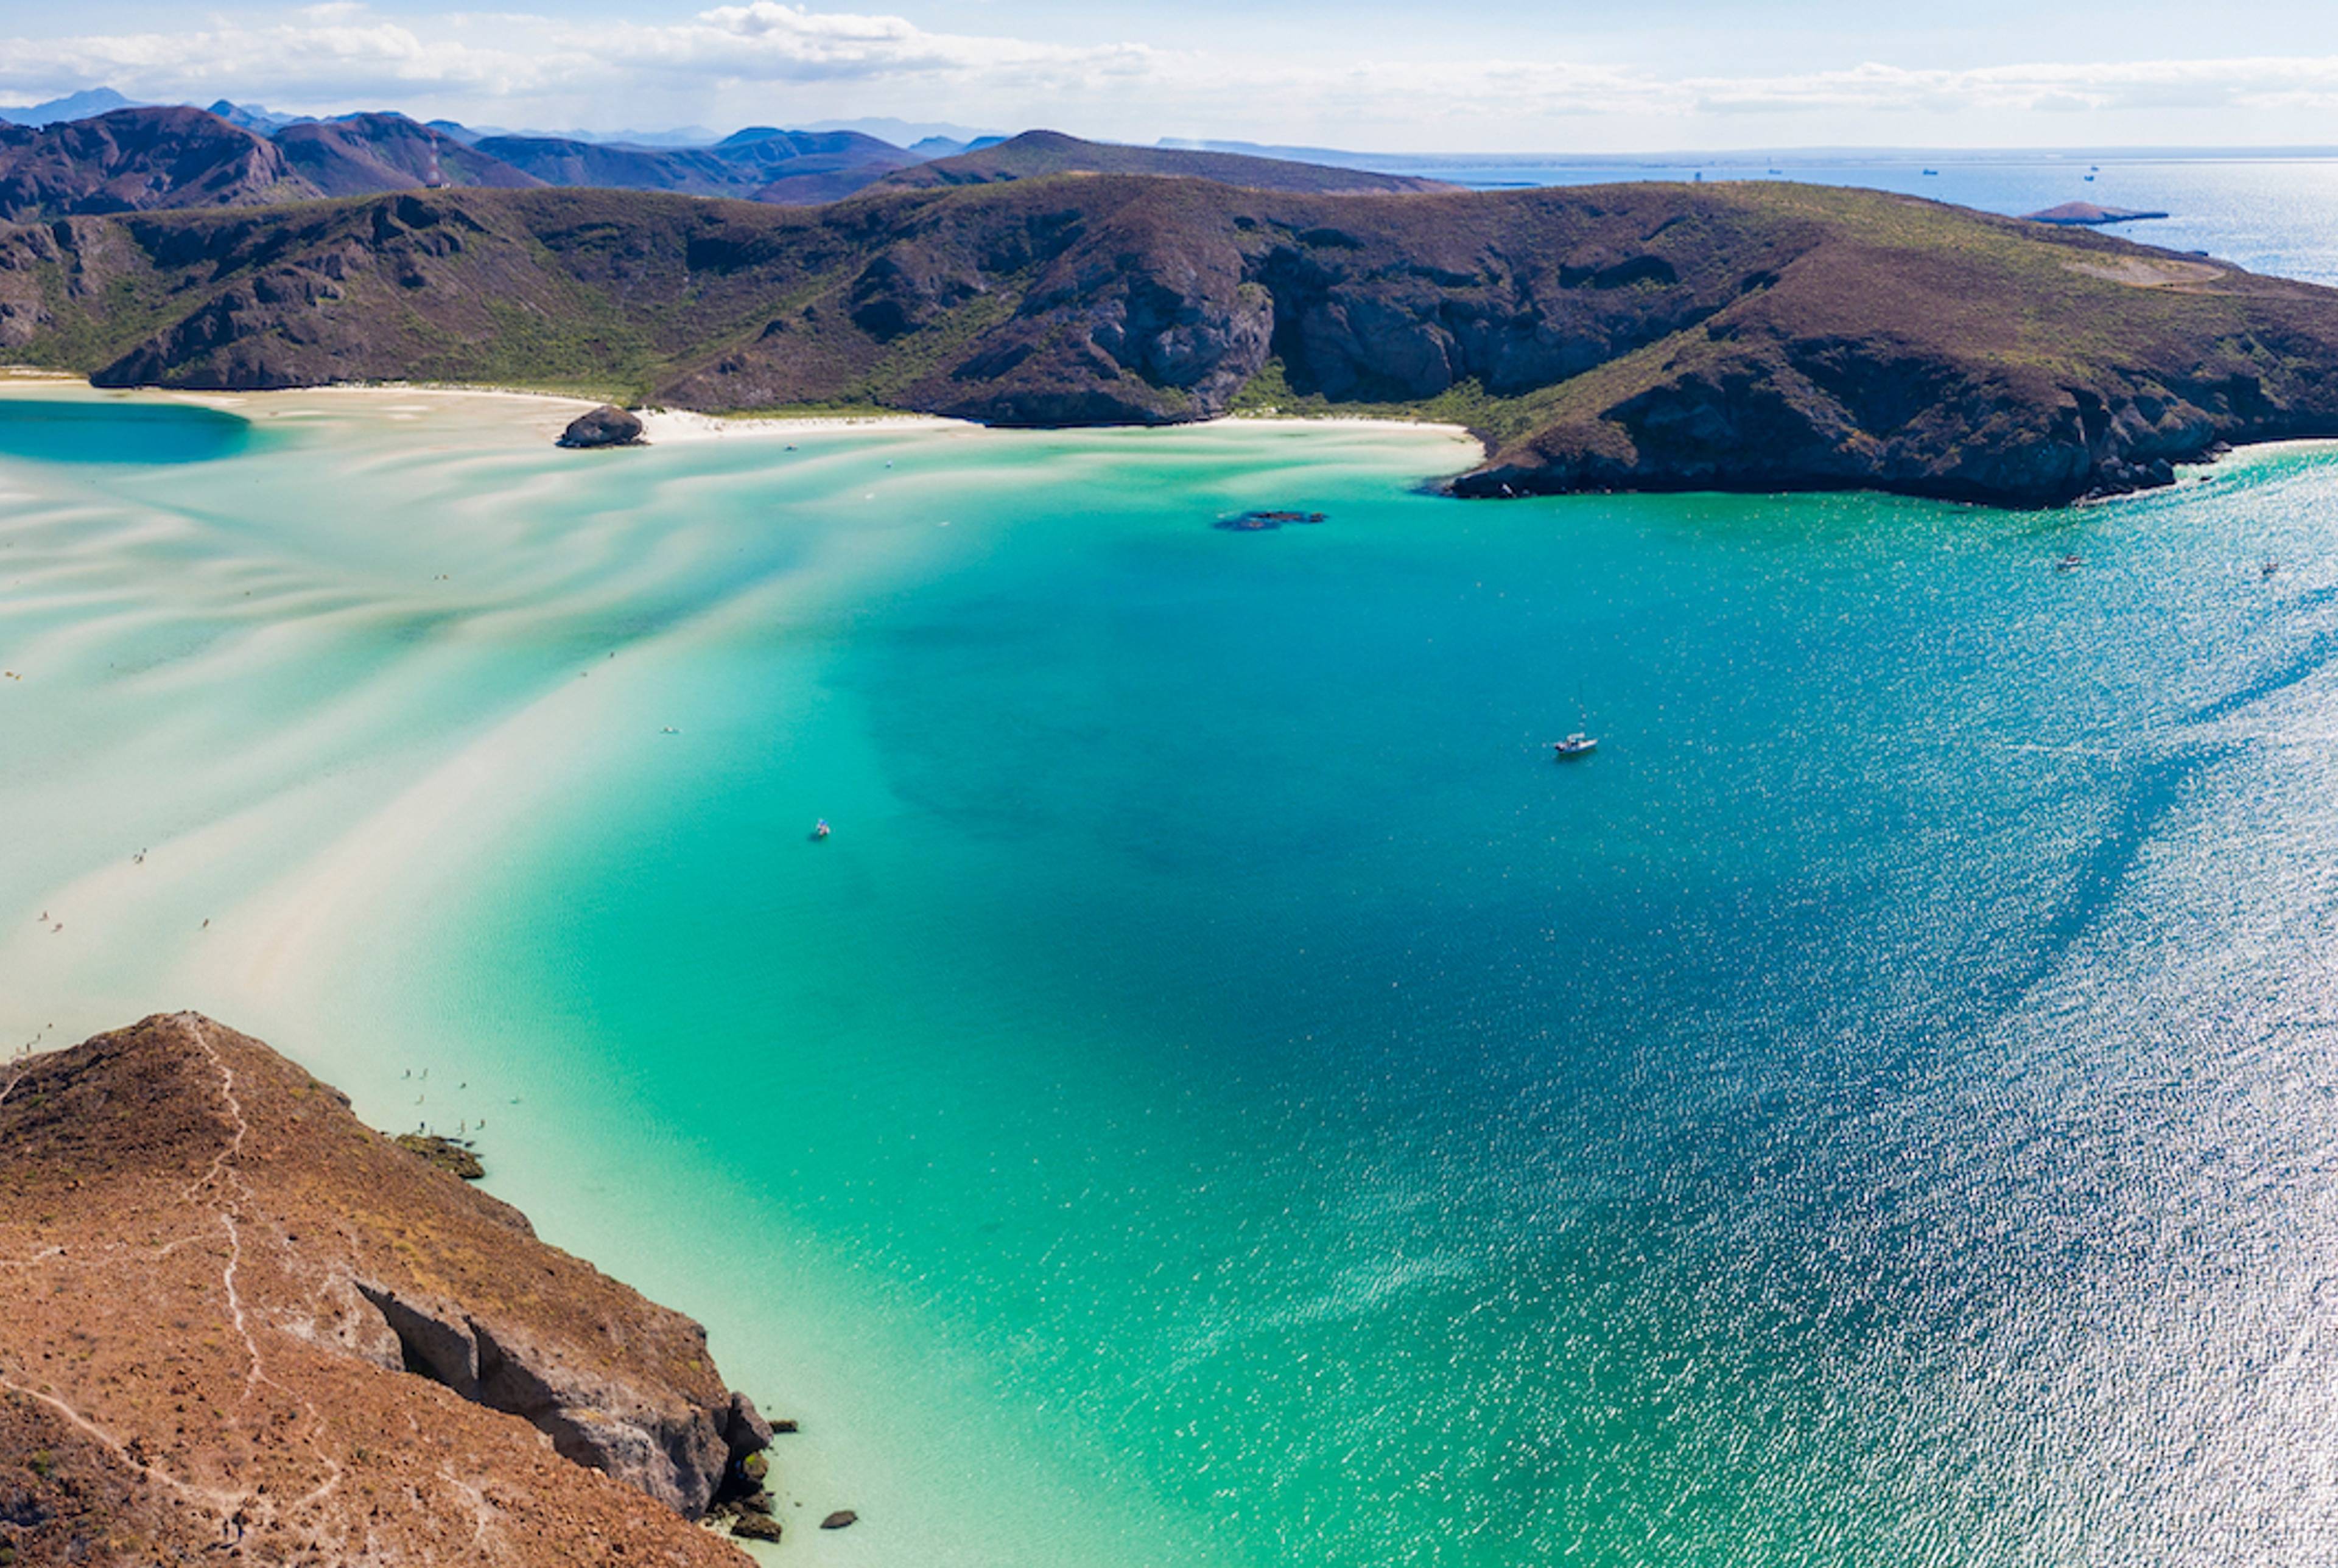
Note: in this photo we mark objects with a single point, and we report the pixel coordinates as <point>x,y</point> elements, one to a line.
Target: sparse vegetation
<point>1744,335</point>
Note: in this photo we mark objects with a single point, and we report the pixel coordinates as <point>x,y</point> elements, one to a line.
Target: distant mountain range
<point>145,159</point>
<point>927,138</point>
<point>909,132</point>
<point>72,106</point>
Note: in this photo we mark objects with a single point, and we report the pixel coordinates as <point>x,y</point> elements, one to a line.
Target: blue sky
<point>1569,77</point>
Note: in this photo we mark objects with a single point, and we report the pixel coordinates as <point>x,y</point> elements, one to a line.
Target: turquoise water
<point>1223,1094</point>
<point>123,430</point>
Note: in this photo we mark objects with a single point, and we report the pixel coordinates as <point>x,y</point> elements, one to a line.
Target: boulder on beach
<point>607,426</point>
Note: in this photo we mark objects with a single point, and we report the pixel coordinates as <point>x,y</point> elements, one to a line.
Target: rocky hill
<point>137,160</point>
<point>154,159</point>
<point>239,1322</point>
<point>761,164</point>
<point>1038,152</point>
<point>1726,336</point>
<point>363,154</point>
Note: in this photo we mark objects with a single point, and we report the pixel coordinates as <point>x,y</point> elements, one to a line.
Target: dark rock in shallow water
<point>755,1527</point>
<point>745,1429</point>
<point>1263,522</point>
<point>444,1152</point>
<point>747,1435</point>
<point>785,1424</point>
<point>607,426</point>
<point>2115,477</point>
<point>840,1519</point>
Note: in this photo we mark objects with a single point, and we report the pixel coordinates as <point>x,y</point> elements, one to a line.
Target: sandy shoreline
<point>665,425</point>
<point>550,411</point>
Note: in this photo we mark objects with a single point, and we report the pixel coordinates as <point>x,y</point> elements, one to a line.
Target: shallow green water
<point>1224,1096</point>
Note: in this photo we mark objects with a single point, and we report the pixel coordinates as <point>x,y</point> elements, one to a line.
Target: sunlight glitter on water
<point>1222,1090</point>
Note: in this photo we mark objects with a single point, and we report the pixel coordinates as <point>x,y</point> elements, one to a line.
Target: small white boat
<point>820,828</point>
<point>1575,745</point>
<point>2069,562</point>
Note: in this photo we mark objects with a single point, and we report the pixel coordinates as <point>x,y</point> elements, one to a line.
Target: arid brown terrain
<point>238,1324</point>
<point>1747,336</point>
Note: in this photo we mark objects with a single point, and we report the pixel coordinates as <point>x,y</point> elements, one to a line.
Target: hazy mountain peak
<point>72,106</point>
<point>254,118</point>
<point>906,132</point>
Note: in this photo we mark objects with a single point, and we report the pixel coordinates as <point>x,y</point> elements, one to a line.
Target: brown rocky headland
<point>236,1324</point>
<point>1729,337</point>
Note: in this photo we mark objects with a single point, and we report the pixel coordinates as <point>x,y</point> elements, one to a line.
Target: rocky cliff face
<point>134,160</point>
<point>1761,336</point>
<point>237,1319</point>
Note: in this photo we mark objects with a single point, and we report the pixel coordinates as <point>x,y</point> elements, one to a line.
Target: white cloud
<point>336,50</point>
<point>736,59</point>
<point>2107,87</point>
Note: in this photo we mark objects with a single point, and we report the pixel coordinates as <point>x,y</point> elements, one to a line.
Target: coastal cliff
<point>1644,336</point>
<point>236,1319</point>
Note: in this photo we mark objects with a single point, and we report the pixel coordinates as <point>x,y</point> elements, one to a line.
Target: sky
<point>1557,76</point>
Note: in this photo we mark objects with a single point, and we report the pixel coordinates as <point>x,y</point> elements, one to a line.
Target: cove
<point>80,429</point>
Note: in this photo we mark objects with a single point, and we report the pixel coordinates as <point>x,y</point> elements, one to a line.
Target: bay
<point>1223,1094</point>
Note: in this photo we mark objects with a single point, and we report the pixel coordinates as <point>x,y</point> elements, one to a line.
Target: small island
<point>2087,215</point>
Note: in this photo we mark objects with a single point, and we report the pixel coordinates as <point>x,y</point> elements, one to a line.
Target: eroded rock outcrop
<point>239,1316</point>
<point>650,1437</point>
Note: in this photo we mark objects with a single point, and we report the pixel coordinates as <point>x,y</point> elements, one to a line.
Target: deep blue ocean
<point>2268,214</point>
